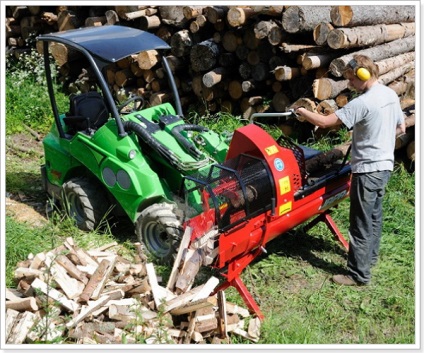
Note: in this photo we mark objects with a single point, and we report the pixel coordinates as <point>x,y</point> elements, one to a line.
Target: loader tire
<point>84,202</point>
<point>159,230</point>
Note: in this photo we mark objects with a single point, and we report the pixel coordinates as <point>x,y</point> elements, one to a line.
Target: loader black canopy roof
<point>108,43</point>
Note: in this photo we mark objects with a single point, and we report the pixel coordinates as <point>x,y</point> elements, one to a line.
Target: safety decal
<point>278,164</point>
<point>271,150</point>
<point>284,185</point>
<point>285,208</point>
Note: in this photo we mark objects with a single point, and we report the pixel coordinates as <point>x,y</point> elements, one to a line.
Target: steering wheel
<point>138,105</point>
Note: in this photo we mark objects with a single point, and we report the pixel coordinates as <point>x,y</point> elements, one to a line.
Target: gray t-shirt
<point>374,116</point>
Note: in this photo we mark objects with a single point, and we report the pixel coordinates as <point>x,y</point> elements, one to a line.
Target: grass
<point>291,282</point>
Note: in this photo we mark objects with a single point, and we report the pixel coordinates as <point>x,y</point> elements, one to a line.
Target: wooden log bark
<point>321,31</point>
<point>379,52</point>
<point>191,12</point>
<point>314,61</point>
<point>173,16</point>
<point>410,151</point>
<point>366,36</point>
<point>285,73</point>
<point>214,76</point>
<point>304,18</point>
<point>181,43</point>
<point>390,64</point>
<point>325,88</point>
<point>238,16</point>
<point>350,16</point>
<point>215,14</point>
<point>262,29</point>
<point>67,20</point>
<point>396,73</point>
<point>149,22</point>
<point>204,55</point>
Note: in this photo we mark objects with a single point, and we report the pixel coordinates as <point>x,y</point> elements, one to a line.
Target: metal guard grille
<point>300,158</point>
<point>238,189</point>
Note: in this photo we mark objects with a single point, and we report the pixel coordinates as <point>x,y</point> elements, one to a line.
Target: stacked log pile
<point>240,59</point>
<point>99,297</point>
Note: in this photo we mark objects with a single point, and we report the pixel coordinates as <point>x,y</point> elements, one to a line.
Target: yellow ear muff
<point>363,74</point>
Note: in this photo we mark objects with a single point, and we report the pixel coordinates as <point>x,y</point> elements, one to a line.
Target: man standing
<point>376,118</point>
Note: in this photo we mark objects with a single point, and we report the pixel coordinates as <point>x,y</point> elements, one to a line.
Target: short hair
<point>362,61</point>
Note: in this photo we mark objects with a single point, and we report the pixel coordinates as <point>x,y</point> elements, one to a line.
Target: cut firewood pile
<point>238,59</point>
<point>71,295</point>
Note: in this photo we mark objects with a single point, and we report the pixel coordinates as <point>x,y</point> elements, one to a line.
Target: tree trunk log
<point>149,22</point>
<point>237,16</point>
<point>313,61</point>
<point>274,11</point>
<point>181,43</point>
<point>350,16</point>
<point>215,14</point>
<point>204,56</point>
<point>367,36</point>
<point>396,73</point>
<point>390,64</point>
<point>327,107</point>
<point>376,53</point>
<point>191,12</point>
<point>280,102</point>
<point>304,18</point>
<point>286,73</point>
<point>410,151</point>
<point>213,77</point>
<point>321,32</point>
<point>263,28</point>
<point>147,59</point>
<point>173,15</point>
<point>325,88</point>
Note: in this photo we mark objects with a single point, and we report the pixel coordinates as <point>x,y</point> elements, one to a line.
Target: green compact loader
<point>102,157</point>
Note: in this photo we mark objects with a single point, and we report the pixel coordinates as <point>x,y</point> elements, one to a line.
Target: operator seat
<point>87,111</point>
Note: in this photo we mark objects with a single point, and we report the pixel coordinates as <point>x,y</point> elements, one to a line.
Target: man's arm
<point>322,121</point>
<point>400,129</point>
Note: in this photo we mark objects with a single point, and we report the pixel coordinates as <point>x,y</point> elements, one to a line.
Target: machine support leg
<point>326,218</point>
<point>333,228</point>
<point>238,284</point>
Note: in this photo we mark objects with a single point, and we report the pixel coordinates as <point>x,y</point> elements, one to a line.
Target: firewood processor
<point>232,193</point>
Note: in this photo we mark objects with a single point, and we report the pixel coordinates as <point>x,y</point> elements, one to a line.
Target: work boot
<point>346,280</point>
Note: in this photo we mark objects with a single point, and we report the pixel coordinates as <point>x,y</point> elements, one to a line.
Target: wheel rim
<point>76,209</point>
<point>156,238</point>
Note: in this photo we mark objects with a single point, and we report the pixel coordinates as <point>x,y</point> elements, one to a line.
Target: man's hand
<point>298,115</point>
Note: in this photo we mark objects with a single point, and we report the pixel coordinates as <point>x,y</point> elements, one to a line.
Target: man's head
<point>361,72</point>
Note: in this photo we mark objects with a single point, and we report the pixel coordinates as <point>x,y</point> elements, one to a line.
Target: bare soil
<point>24,151</point>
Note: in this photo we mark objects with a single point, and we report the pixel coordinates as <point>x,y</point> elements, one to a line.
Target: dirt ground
<point>25,149</point>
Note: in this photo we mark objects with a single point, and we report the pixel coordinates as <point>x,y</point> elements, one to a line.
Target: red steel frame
<point>238,247</point>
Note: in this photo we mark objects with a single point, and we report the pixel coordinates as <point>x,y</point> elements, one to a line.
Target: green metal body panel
<point>135,182</point>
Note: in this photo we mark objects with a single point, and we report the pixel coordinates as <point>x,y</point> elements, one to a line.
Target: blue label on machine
<point>278,164</point>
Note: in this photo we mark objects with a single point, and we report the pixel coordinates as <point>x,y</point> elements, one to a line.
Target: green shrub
<point>27,99</point>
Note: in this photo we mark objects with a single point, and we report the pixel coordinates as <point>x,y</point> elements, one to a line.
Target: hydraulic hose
<point>189,146</point>
<point>151,141</point>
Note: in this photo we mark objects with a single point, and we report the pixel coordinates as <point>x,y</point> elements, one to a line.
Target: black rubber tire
<point>84,202</point>
<point>159,230</point>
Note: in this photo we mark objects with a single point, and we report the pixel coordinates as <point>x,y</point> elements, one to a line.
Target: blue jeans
<point>366,214</point>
